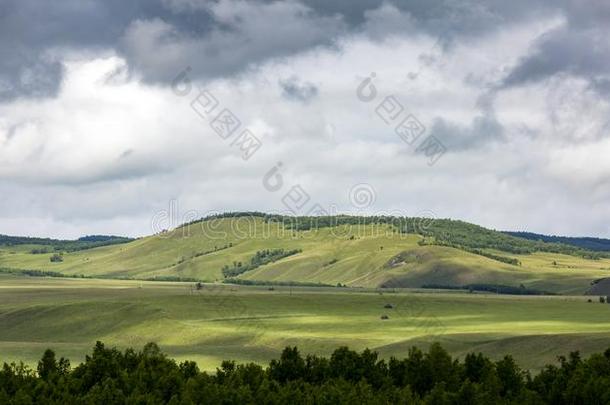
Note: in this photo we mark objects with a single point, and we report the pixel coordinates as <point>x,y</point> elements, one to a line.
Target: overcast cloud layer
<point>98,134</point>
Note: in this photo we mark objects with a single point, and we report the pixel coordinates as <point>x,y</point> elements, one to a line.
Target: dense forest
<point>109,376</point>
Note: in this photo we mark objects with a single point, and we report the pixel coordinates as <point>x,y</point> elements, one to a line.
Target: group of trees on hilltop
<point>462,234</point>
<point>458,234</point>
<point>109,376</point>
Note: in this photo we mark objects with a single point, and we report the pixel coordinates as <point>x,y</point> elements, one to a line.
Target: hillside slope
<point>369,254</point>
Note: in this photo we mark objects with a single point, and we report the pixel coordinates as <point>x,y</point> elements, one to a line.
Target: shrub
<point>56,258</point>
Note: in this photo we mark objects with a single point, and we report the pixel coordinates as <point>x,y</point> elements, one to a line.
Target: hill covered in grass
<point>356,251</point>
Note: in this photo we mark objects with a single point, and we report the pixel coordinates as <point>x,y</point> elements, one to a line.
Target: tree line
<point>587,242</point>
<point>47,245</point>
<point>110,376</point>
<point>260,258</point>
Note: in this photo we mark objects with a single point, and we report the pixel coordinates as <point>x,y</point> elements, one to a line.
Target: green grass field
<point>353,255</point>
<point>224,321</point>
<point>254,323</point>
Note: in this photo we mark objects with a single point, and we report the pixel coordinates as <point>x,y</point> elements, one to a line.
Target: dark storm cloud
<point>352,10</point>
<point>31,29</point>
<point>243,34</point>
<point>294,89</point>
<point>482,130</point>
<point>220,38</point>
<point>584,53</point>
<point>601,85</point>
<point>458,17</point>
<point>157,37</point>
<point>29,74</point>
<point>579,48</point>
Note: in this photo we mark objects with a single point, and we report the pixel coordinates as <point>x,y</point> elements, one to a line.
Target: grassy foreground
<point>255,323</point>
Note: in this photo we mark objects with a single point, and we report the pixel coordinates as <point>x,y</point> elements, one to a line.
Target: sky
<point>128,117</point>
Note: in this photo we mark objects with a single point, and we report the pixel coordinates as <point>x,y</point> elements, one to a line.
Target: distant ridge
<point>586,242</point>
<point>85,242</point>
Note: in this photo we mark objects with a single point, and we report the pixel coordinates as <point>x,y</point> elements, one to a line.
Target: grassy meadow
<point>255,323</point>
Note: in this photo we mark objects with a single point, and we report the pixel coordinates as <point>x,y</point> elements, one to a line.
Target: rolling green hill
<point>346,250</point>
